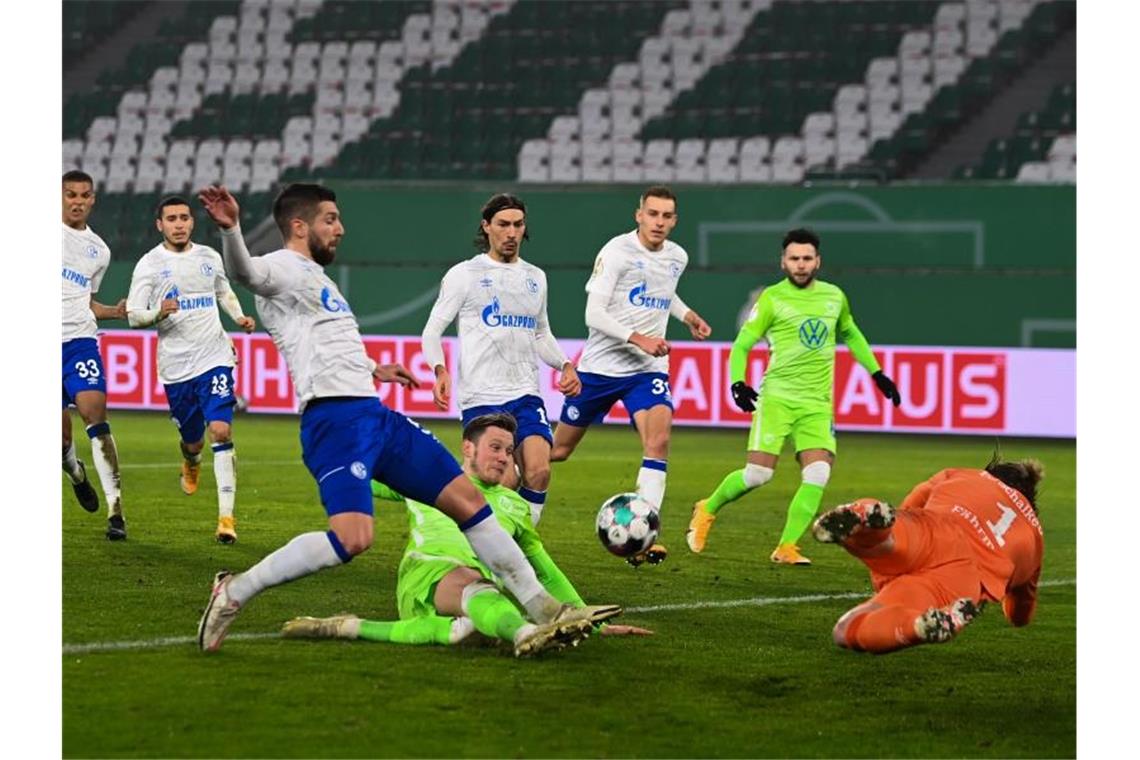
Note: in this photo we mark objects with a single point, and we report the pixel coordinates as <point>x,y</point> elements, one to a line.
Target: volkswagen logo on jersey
<point>637,297</point>
<point>359,470</point>
<point>813,333</point>
<point>207,269</point>
<point>493,317</point>
<point>333,302</point>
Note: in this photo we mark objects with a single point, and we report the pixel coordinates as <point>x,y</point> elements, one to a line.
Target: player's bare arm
<point>103,311</point>
<point>568,382</point>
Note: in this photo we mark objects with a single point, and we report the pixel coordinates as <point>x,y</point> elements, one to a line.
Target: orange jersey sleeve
<point>920,494</point>
<point>1004,532</point>
<point>1021,601</point>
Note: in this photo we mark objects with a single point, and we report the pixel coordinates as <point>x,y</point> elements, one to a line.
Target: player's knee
<point>537,477</point>
<point>817,473</point>
<point>220,432</point>
<point>356,540</point>
<point>756,475</point>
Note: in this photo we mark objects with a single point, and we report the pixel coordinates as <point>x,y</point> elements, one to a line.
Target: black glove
<point>744,396</point>
<point>887,387</point>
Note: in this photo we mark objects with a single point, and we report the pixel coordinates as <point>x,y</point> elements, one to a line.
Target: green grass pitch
<point>731,678</point>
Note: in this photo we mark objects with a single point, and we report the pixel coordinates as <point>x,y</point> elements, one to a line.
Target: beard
<point>810,278</point>
<point>322,254</point>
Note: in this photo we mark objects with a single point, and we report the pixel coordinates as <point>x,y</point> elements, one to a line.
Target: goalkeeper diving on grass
<point>444,593</point>
<point>800,317</point>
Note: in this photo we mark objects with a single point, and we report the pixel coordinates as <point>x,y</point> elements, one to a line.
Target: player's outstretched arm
<point>223,209</point>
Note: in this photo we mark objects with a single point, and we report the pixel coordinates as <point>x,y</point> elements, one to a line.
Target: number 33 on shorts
<point>661,388</point>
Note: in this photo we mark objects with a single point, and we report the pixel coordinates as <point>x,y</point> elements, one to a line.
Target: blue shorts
<point>528,411</point>
<point>196,402</point>
<point>82,369</point>
<point>601,392</point>
<point>346,442</point>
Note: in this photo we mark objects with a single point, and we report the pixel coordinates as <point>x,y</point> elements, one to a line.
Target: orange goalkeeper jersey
<point>1005,534</point>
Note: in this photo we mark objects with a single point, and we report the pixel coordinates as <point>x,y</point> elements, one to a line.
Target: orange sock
<point>883,630</point>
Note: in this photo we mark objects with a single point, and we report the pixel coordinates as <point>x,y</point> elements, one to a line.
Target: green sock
<point>494,615</point>
<point>801,512</point>
<point>418,630</point>
<point>730,489</point>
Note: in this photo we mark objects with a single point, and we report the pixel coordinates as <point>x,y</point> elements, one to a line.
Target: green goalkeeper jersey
<point>434,534</point>
<point>801,326</point>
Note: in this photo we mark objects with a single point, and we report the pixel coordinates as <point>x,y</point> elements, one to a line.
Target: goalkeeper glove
<point>744,396</point>
<point>887,387</point>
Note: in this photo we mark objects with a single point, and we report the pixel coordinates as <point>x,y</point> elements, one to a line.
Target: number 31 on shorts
<point>660,387</point>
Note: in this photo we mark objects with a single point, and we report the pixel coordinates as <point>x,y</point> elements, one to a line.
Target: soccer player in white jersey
<point>503,330</point>
<point>631,294</point>
<point>85,260</point>
<point>178,286</point>
<point>347,436</point>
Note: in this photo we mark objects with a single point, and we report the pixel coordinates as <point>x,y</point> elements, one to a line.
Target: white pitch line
<point>756,601</point>
<point>207,463</point>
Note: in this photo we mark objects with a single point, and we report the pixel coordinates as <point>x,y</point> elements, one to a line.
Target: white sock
<point>225,473</point>
<point>71,464</point>
<point>106,458</point>
<point>651,481</point>
<point>536,500</point>
<point>498,551</point>
<point>304,555</point>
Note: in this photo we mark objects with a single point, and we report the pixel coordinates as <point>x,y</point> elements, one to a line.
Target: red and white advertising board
<point>1008,391</point>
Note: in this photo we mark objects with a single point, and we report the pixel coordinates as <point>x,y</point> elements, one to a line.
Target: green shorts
<point>418,576</point>
<point>811,426</point>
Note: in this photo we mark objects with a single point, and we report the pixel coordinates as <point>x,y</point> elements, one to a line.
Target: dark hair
<point>170,200</point>
<point>1023,475</point>
<point>77,176</point>
<point>657,191</point>
<point>299,201</point>
<point>496,203</point>
<point>801,235</point>
<point>476,427</point>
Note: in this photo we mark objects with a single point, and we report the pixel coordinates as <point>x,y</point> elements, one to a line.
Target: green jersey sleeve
<point>754,328</point>
<point>384,493</point>
<point>514,513</point>
<point>855,340</point>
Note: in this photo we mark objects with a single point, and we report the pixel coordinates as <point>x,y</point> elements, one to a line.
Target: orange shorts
<point>930,565</point>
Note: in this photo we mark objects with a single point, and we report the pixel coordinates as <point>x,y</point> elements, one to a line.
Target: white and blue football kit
<point>639,291</point>
<point>503,333</point>
<point>195,356</point>
<point>347,436</point>
<point>85,261</point>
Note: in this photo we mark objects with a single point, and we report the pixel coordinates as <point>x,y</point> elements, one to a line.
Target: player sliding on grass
<point>443,591</point>
<point>960,539</point>
<point>801,318</point>
<point>347,436</point>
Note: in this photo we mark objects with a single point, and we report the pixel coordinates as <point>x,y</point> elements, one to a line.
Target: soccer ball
<point>627,524</point>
